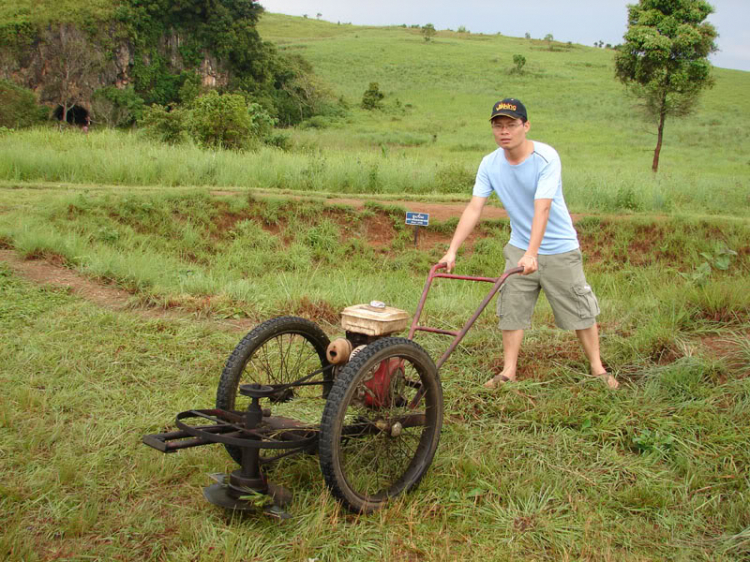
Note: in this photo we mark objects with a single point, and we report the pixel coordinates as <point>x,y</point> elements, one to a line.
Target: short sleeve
<point>482,185</point>
<point>550,179</point>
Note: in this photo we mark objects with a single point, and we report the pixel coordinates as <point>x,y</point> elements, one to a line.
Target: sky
<point>578,21</point>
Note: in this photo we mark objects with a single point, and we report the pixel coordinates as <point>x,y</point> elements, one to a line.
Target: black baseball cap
<point>511,107</point>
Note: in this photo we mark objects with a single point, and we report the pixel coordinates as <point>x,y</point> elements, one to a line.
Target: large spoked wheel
<point>381,424</point>
<point>279,351</point>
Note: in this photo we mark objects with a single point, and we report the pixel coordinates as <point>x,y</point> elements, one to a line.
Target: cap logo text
<point>500,106</point>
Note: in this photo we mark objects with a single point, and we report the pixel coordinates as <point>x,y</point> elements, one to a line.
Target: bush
<point>453,178</point>
<point>428,31</point>
<point>519,61</point>
<point>228,121</point>
<point>191,88</point>
<point>165,123</point>
<point>115,107</point>
<point>372,97</point>
<point>19,107</point>
<point>215,121</point>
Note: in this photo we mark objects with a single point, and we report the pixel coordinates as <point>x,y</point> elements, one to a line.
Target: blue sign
<point>418,219</point>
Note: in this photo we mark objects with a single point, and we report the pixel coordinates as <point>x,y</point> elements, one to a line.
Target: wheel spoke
<point>279,351</point>
<point>374,464</point>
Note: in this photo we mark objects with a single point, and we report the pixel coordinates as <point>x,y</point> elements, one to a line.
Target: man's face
<point>509,133</point>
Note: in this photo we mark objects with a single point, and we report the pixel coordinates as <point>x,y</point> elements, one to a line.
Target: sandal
<point>497,380</point>
<point>609,379</point>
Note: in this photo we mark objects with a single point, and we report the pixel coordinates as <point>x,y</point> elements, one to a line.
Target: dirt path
<point>106,296</point>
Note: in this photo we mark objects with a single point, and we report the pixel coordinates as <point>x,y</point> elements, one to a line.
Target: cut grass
<point>553,468</point>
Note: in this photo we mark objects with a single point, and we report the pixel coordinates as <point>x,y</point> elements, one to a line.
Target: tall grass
<point>125,159</point>
<point>238,256</point>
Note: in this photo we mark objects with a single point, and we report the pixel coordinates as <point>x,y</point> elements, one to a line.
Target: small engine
<point>365,323</point>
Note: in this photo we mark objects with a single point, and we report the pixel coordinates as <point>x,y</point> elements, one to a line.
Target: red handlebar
<point>458,336</point>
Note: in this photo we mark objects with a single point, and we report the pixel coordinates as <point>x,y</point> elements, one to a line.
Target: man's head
<point>509,123</point>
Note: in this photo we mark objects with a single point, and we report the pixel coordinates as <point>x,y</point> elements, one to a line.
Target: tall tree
<point>72,65</point>
<point>664,59</point>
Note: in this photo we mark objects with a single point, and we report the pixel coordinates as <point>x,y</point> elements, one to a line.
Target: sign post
<point>417,220</point>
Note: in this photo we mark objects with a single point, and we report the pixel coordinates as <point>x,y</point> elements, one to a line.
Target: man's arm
<point>538,226</point>
<point>469,219</point>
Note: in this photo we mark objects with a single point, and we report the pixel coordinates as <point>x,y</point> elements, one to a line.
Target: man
<point>526,175</point>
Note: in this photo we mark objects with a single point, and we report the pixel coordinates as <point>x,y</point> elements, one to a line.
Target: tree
<point>519,61</point>
<point>372,97</point>
<point>116,107</point>
<point>664,59</point>
<point>428,31</point>
<point>72,65</point>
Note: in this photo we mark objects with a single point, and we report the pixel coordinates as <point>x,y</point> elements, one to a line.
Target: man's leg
<point>511,347</point>
<point>589,339</point>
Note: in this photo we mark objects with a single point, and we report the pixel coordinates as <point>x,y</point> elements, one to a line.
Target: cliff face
<point>139,53</point>
<point>65,57</point>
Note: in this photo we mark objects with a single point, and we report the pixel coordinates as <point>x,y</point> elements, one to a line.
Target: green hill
<point>432,129</point>
<point>439,95</point>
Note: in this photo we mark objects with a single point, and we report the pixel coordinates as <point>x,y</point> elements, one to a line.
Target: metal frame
<point>458,336</point>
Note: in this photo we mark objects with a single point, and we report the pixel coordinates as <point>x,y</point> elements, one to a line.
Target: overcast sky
<point>579,21</point>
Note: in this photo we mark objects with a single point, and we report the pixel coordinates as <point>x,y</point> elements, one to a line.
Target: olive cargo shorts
<point>561,276</point>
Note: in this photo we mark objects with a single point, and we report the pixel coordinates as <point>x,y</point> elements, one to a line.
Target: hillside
<point>439,95</point>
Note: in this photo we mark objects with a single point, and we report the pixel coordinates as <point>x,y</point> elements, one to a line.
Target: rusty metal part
<point>338,351</point>
<point>458,336</point>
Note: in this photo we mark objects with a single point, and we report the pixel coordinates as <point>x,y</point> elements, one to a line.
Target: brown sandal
<point>609,379</point>
<point>495,381</point>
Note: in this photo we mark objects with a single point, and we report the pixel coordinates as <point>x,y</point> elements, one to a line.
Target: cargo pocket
<point>588,306</point>
<point>500,306</point>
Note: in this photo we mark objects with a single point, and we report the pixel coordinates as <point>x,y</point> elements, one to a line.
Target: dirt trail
<point>106,296</point>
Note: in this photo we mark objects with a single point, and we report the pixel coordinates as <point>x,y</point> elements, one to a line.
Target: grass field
<point>555,467</point>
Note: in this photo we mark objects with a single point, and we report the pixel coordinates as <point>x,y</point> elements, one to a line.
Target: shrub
<point>191,88</point>
<point>453,178</point>
<point>228,121</point>
<point>372,97</point>
<point>165,123</point>
<point>19,106</point>
<point>519,61</point>
<point>428,31</point>
<point>279,140</point>
<point>115,107</point>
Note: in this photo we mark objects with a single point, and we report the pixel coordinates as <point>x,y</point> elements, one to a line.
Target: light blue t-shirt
<point>537,177</point>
